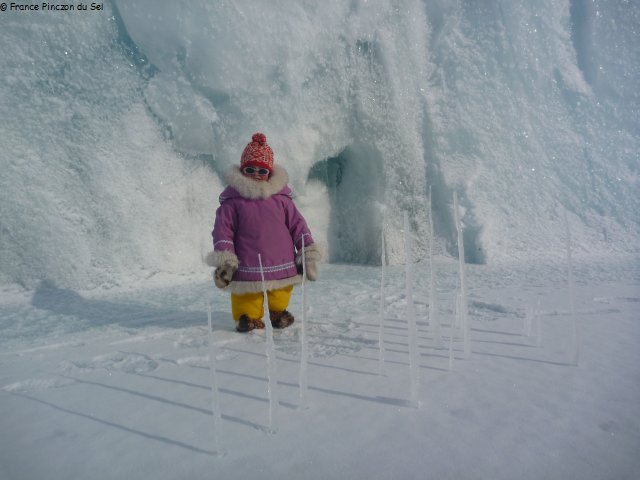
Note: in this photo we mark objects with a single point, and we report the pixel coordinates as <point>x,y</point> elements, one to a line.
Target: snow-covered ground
<point>116,384</point>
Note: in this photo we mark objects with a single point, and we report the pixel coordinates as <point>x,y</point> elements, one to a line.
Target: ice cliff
<point>116,126</point>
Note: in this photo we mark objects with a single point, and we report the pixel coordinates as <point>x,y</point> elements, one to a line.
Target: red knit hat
<point>257,153</point>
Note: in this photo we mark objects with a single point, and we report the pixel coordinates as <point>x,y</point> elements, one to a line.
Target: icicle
<point>458,321</point>
<point>381,315</point>
<point>528,321</point>
<point>575,341</point>
<point>215,394</point>
<point>304,353</point>
<point>452,333</point>
<point>412,329</point>
<point>271,359</point>
<point>538,326</point>
<point>464,310</point>
<point>434,320</point>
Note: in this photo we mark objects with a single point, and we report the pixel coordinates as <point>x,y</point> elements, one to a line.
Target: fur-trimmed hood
<point>252,189</point>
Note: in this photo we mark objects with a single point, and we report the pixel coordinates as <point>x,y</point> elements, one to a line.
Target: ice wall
<point>324,80</point>
<point>90,192</point>
<point>117,126</point>
<point>533,110</point>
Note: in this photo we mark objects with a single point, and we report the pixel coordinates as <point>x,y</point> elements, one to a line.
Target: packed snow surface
<point>112,385</point>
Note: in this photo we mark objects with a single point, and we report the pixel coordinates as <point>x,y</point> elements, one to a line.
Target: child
<point>257,216</point>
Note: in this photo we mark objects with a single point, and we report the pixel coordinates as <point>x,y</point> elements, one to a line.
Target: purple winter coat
<point>260,218</point>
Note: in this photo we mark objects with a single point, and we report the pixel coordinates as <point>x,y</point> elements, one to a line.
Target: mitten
<point>223,275</point>
<point>312,257</point>
<point>226,264</point>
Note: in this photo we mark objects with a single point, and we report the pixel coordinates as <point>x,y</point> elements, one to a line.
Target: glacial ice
<point>117,126</point>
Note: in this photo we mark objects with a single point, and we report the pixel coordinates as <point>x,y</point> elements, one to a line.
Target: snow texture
<point>98,395</point>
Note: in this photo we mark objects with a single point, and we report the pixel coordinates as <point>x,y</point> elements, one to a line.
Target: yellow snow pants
<point>252,304</point>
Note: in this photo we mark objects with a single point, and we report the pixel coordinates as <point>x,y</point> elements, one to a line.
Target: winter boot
<point>246,324</point>
<point>281,319</point>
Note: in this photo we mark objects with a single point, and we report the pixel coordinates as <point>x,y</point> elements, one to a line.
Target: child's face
<point>258,174</point>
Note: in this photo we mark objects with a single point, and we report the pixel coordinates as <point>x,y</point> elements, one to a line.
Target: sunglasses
<point>252,170</point>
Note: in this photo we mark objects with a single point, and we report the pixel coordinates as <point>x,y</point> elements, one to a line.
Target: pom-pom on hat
<point>257,153</point>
